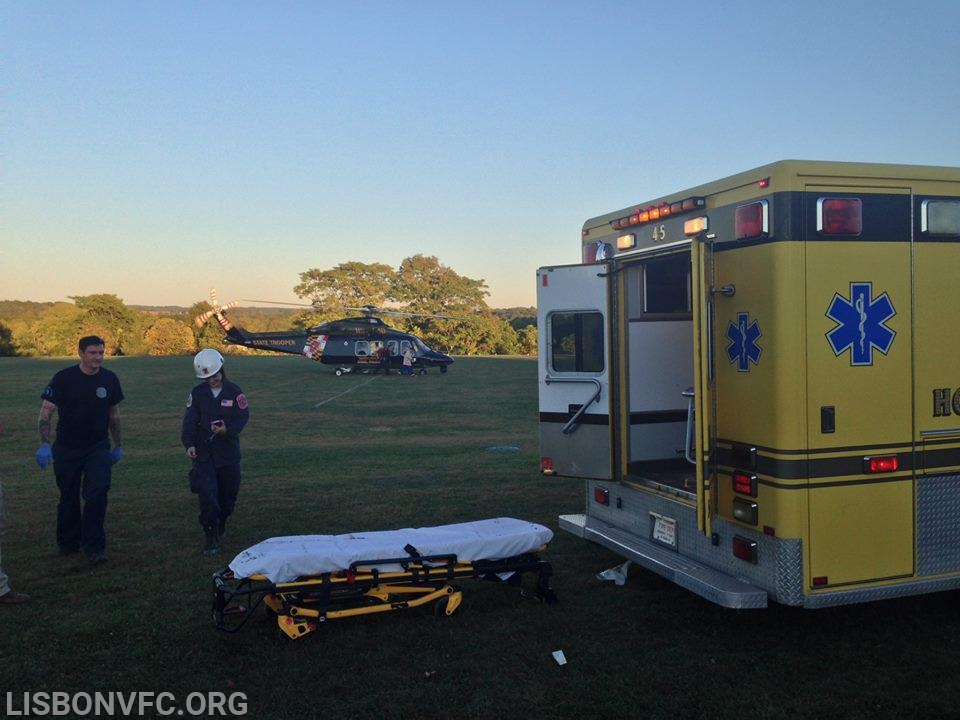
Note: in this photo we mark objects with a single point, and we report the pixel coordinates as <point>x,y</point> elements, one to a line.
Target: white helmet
<point>207,363</point>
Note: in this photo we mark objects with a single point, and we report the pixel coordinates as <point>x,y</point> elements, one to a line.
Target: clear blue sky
<point>154,149</point>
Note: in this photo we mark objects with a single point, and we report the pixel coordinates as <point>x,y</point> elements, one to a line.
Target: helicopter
<point>350,344</point>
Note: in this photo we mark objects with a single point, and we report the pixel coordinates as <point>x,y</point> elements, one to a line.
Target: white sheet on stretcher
<point>283,559</point>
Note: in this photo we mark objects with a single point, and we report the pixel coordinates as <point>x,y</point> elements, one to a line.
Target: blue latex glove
<point>44,456</point>
<point>116,455</point>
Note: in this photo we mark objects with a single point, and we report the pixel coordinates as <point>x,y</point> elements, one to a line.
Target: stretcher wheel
<point>339,372</point>
<point>422,371</point>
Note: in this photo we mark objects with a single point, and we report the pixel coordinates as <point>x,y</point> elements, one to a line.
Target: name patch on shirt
<point>226,403</point>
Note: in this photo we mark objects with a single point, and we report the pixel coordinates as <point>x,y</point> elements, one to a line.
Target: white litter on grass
<point>350,390</point>
<point>503,448</point>
<point>618,574</point>
<point>559,657</point>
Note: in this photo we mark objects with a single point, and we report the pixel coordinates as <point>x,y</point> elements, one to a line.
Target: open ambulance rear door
<point>573,371</point>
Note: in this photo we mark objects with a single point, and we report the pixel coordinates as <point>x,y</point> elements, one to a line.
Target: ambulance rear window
<point>665,286</point>
<point>940,217</point>
<point>576,342</point>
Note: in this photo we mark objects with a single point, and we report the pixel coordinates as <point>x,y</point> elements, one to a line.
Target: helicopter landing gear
<point>341,370</point>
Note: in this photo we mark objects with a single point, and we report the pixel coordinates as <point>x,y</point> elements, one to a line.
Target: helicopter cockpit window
<point>393,347</point>
<point>576,342</point>
<point>361,348</point>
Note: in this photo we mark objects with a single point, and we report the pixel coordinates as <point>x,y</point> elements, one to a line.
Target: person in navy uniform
<point>216,414</point>
<point>86,397</point>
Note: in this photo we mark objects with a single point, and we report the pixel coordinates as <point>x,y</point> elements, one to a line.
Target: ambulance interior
<point>660,372</point>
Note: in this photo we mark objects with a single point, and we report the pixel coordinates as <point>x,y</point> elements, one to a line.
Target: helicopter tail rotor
<point>217,311</point>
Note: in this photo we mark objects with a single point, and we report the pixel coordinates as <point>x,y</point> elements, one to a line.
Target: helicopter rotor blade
<point>372,310</point>
<point>275,302</point>
<point>203,317</point>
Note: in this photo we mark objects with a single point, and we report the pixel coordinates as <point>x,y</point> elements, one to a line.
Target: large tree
<point>106,315</point>
<point>169,336</point>
<point>7,346</point>
<point>426,286</point>
<point>350,284</point>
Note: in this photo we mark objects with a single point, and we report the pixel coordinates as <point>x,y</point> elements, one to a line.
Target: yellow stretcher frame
<point>303,604</point>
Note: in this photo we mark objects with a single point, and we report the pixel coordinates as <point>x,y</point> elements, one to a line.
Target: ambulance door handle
<point>726,290</point>
<point>688,446</point>
<point>575,420</point>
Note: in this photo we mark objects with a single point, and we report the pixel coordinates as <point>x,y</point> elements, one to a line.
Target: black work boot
<point>212,545</point>
<point>222,529</point>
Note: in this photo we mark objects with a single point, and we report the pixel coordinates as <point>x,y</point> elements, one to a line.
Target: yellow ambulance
<point>758,379</point>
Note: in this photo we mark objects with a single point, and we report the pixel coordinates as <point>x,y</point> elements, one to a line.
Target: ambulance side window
<point>665,286</point>
<point>361,348</point>
<point>576,342</point>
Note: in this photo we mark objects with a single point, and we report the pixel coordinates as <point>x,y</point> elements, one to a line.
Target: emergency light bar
<point>695,226</point>
<point>658,212</point>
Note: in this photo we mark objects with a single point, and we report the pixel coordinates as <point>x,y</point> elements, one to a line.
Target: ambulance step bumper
<point>706,582</point>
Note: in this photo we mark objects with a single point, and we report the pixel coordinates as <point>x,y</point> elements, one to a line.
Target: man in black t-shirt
<point>86,398</point>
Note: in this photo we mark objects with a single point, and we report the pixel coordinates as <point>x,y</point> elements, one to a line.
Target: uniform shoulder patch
<point>189,399</point>
<point>242,401</point>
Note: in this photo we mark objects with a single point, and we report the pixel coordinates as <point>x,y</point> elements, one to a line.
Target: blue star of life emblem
<point>860,323</point>
<point>743,348</point>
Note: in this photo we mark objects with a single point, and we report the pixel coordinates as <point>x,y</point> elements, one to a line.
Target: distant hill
<point>518,317</point>
<point>22,309</point>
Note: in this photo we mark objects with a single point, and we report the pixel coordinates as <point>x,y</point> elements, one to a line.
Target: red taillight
<point>601,495</point>
<point>752,220</point>
<point>839,216</point>
<point>546,464</point>
<point>744,549</point>
<point>820,581</point>
<point>745,483</point>
<point>883,464</point>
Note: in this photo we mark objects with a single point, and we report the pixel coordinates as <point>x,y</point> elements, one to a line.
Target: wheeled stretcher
<point>306,580</point>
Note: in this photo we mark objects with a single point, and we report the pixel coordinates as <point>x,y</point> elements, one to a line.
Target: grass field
<point>328,455</point>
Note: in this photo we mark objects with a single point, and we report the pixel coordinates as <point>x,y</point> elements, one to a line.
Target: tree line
<point>462,322</point>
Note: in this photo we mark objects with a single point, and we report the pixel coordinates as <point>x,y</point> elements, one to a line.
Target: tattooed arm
<point>43,423</point>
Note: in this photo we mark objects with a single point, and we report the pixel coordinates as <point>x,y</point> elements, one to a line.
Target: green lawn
<point>330,455</point>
